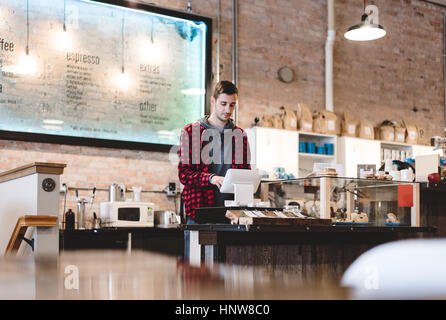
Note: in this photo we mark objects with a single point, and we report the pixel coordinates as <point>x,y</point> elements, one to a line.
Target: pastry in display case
<point>348,201</point>
<point>286,217</point>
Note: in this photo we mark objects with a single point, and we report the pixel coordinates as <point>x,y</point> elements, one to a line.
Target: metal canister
<point>112,192</point>
<point>121,193</point>
<point>81,219</point>
<point>117,192</point>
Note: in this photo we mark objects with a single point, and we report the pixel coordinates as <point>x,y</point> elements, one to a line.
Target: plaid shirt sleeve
<point>190,170</point>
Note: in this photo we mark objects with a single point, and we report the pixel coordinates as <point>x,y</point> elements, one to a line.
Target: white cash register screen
<point>240,176</point>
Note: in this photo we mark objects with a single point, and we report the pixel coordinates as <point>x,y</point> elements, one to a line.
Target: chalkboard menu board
<point>110,73</point>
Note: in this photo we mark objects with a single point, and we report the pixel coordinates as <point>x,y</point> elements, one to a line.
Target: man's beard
<point>223,119</point>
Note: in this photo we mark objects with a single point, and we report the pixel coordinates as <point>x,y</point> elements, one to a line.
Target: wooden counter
<point>308,251</point>
<point>163,240</point>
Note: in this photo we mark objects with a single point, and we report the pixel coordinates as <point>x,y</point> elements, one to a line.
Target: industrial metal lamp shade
<point>365,32</point>
<point>369,27</point>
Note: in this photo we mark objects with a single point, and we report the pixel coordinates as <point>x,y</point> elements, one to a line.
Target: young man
<point>208,148</point>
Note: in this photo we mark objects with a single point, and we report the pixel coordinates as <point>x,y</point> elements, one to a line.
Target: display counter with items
<point>345,201</point>
<point>317,225</point>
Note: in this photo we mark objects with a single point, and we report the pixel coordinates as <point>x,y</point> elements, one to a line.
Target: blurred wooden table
<point>107,274</point>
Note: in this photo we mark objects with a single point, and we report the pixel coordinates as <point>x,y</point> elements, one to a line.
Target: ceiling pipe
<point>329,44</point>
<point>234,53</point>
<point>217,78</point>
<point>444,68</point>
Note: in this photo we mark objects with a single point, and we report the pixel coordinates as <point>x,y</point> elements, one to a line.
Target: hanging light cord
<point>151,32</point>
<point>64,15</point>
<point>27,27</point>
<point>365,15</point>
<point>122,43</point>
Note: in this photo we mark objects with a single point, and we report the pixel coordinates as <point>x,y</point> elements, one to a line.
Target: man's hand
<point>217,180</point>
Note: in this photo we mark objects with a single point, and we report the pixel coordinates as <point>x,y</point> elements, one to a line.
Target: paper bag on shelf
<point>377,132</point>
<point>400,132</point>
<point>366,130</point>
<point>422,137</point>
<point>411,132</point>
<point>304,118</point>
<point>277,121</point>
<point>348,125</point>
<point>266,121</point>
<point>332,120</point>
<point>324,122</point>
<point>387,131</point>
<point>289,117</point>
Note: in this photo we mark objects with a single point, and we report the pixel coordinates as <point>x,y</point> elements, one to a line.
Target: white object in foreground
<point>405,269</point>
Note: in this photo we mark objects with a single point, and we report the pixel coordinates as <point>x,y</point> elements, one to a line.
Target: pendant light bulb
<point>122,80</point>
<point>26,65</point>
<point>62,40</point>
<point>151,52</point>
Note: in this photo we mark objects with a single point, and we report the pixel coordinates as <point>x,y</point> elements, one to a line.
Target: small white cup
<point>396,175</point>
<point>406,175</point>
<point>137,193</point>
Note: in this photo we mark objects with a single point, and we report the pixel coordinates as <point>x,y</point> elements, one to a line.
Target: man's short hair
<point>226,87</point>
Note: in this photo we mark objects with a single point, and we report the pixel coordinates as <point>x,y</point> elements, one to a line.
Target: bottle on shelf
<point>69,220</point>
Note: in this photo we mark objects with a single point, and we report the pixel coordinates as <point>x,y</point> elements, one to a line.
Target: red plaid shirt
<point>194,172</point>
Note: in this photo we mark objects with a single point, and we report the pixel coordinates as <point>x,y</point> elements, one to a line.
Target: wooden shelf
<point>315,156</point>
<point>396,144</point>
<point>315,134</point>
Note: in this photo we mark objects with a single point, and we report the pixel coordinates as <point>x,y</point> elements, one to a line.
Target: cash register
<point>243,183</point>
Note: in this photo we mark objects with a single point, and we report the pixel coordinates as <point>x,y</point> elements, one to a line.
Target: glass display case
<point>347,200</point>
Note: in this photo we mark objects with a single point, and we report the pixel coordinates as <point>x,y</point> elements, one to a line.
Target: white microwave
<point>127,214</point>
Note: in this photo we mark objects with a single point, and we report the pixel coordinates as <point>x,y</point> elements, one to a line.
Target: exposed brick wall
<point>97,167</point>
<point>383,79</point>
<point>376,80</point>
<point>387,78</point>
